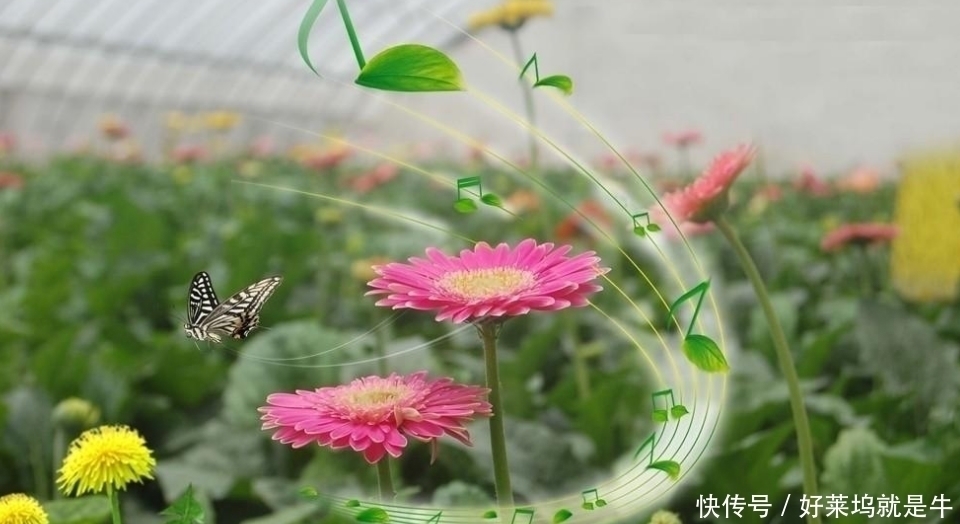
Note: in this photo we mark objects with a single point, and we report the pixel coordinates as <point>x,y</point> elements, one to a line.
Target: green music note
<point>675,410</point>
<point>562,516</point>
<point>561,82</point>
<point>522,511</point>
<point>700,350</point>
<point>670,467</point>
<point>466,205</point>
<point>589,504</point>
<point>405,67</point>
<point>489,514</point>
<point>435,519</point>
<point>640,229</point>
<point>375,515</point>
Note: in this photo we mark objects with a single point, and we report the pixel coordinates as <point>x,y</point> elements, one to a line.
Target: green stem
<point>59,448</point>
<point>498,440</point>
<point>385,480</point>
<point>804,439</point>
<point>867,287</point>
<point>527,102</point>
<point>581,370</point>
<point>114,504</point>
<point>352,33</point>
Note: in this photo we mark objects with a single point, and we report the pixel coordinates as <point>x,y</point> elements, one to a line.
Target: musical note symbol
<point>372,515</point>
<point>588,504</point>
<point>522,511</point>
<point>676,410</point>
<point>670,467</point>
<point>435,519</point>
<point>641,230</point>
<point>562,516</point>
<point>700,350</point>
<point>405,67</point>
<point>561,82</point>
<point>466,205</point>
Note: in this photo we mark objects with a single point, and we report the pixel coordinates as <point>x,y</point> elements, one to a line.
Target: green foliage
<point>95,258</point>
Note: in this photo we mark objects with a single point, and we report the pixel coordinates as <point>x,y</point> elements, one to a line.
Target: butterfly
<point>236,317</point>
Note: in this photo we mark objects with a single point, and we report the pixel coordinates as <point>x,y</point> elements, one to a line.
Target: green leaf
<point>640,231</point>
<point>489,514</point>
<point>678,411</point>
<point>411,68</point>
<point>671,468</point>
<point>704,353</point>
<point>184,510</point>
<point>561,82</point>
<point>373,515</point>
<point>562,515</point>
<point>352,503</point>
<point>83,510</point>
<point>296,514</point>
<point>308,492</point>
<point>304,34</point>
<point>854,464</point>
<point>491,200</point>
<point>660,415</point>
<point>465,205</point>
<point>653,228</point>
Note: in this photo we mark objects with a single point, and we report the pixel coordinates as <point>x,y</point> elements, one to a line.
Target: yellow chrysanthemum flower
<point>177,121</point>
<point>925,256</point>
<point>21,509</point>
<point>107,457</point>
<point>665,517</point>
<point>221,120</point>
<point>511,14</point>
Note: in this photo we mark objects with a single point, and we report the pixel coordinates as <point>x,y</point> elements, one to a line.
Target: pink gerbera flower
<point>701,201</point>
<point>490,282</point>
<point>858,234</point>
<point>375,415</point>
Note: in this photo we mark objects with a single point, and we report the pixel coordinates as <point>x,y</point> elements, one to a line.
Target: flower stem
<point>527,101</point>
<point>351,33</point>
<point>385,480</point>
<point>498,440</point>
<point>800,420</point>
<point>114,504</point>
<point>59,449</point>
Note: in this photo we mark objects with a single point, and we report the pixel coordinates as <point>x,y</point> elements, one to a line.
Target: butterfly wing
<point>202,299</point>
<point>238,315</point>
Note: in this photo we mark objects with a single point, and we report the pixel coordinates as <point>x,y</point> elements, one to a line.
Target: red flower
<point>810,183</point>
<point>701,201</point>
<point>575,223</point>
<point>683,138</point>
<point>858,234</point>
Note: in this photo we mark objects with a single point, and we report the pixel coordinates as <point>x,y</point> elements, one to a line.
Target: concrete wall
<point>831,82</point>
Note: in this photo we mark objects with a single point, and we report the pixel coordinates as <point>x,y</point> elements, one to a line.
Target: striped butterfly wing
<point>202,299</point>
<point>238,315</point>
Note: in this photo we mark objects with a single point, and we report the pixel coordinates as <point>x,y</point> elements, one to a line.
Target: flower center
<point>478,284</point>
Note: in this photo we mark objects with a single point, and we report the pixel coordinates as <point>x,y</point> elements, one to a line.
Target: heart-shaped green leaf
<point>562,515</point>
<point>671,468</point>
<point>465,205</point>
<point>491,200</point>
<point>411,68</point>
<point>561,82</point>
<point>704,353</point>
<point>373,515</point>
